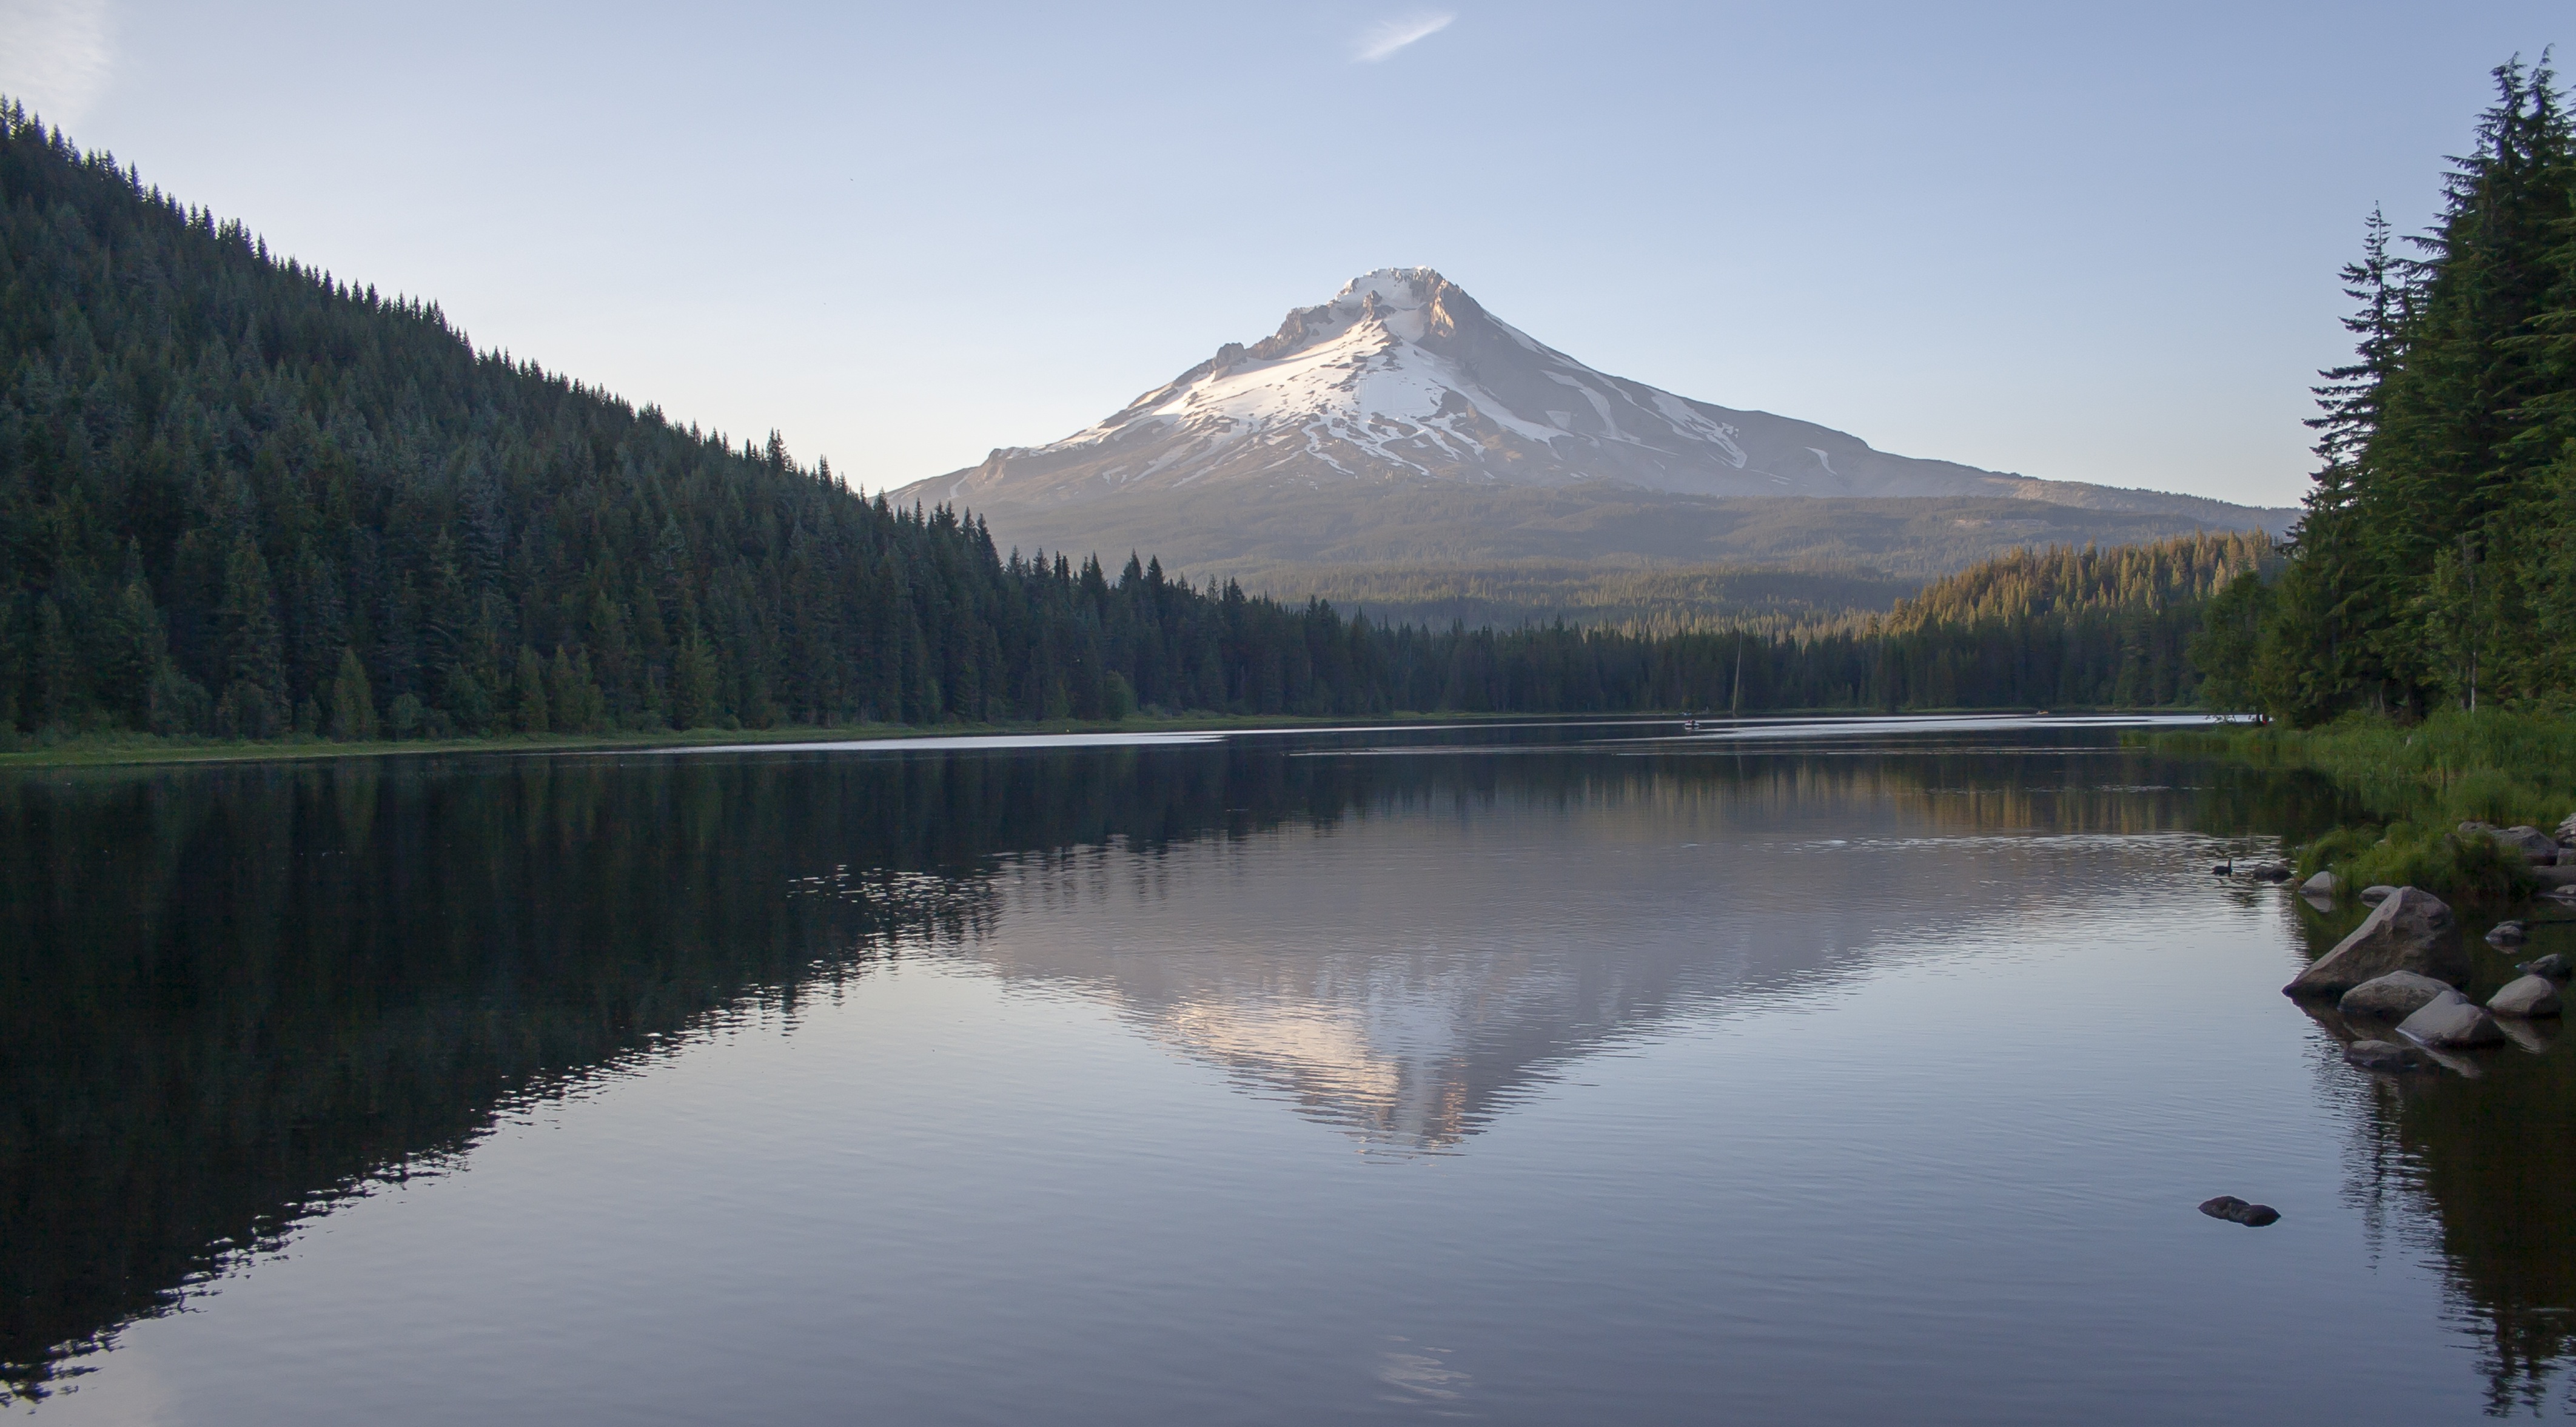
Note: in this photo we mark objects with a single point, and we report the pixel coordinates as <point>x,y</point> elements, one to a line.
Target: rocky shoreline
<point>2392,991</point>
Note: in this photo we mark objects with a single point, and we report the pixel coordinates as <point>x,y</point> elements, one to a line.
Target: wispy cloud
<point>54,55</point>
<point>1387,36</point>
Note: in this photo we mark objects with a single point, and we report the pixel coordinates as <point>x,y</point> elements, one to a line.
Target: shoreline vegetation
<point>128,749</point>
<point>132,749</point>
<point>2414,639</point>
<point>2419,783</point>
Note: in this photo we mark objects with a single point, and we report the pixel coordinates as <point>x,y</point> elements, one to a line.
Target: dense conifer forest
<point>244,498</point>
<point>2432,565</point>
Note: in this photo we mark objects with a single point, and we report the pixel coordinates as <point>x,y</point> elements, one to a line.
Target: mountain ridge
<point>1403,379</point>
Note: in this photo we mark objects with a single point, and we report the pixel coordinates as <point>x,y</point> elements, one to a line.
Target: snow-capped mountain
<point>1402,378</point>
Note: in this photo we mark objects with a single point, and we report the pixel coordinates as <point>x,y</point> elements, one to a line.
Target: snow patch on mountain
<point>1353,371</point>
<point>1402,377</point>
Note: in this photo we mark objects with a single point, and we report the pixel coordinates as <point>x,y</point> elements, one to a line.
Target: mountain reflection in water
<point>237,995</point>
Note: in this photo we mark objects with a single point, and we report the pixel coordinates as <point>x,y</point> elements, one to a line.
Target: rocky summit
<point>1403,377</point>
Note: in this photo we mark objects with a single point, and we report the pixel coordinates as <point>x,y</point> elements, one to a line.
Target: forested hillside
<point>2432,566</point>
<point>2058,628</point>
<point>243,498</point>
<point>2063,626</point>
<point>239,496</point>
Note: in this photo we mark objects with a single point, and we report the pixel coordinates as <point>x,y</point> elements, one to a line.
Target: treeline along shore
<point>2432,565</point>
<point>2416,639</point>
<point>243,499</point>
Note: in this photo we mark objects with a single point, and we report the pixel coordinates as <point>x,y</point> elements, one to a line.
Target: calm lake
<point>1585,1073</point>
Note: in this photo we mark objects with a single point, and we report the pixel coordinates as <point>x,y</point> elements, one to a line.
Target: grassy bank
<point>108,749</point>
<point>2420,782</point>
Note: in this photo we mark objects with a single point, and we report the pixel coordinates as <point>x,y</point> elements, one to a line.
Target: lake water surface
<point>1547,1074</point>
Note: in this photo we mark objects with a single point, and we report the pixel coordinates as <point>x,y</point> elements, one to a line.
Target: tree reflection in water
<point>236,995</point>
<point>2473,1173</point>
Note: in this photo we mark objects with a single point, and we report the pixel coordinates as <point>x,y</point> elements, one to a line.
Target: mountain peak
<point>1401,288</point>
<point>1401,378</point>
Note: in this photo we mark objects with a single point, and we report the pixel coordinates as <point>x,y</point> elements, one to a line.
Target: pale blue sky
<point>2084,242</point>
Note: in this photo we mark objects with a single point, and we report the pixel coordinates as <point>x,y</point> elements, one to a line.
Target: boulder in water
<point>2392,997</point>
<point>2554,966</point>
<point>2321,885</point>
<point>2450,1020</point>
<point>2526,997</point>
<point>2235,1210</point>
<point>2410,930</point>
<point>2507,934</point>
<point>2374,895</point>
<point>2392,1056</point>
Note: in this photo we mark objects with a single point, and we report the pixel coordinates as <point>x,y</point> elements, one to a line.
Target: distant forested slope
<point>243,498</point>
<point>2067,626</point>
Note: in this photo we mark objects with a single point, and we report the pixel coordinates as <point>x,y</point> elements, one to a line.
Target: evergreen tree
<point>530,713</point>
<point>253,703</point>
<point>353,703</point>
<point>2431,558</point>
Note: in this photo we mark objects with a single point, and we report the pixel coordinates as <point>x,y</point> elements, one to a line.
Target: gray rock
<point>2537,848</point>
<point>2373,896</point>
<point>2554,966</point>
<point>2507,934</point>
<point>2391,1056</point>
<point>2554,877</point>
<point>2474,828</point>
<point>2235,1210</point>
<point>2526,997</point>
<point>2449,1020</point>
<point>2567,829</point>
<point>2321,885</point>
<point>2392,997</point>
<point>2410,930</point>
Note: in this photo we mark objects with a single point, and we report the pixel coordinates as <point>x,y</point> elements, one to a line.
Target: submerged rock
<point>2235,1210</point>
<point>2525,997</point>
<point>2390,1056</point>
<point>2321,885</point>
<point>2410,930</point>
<point>2554,966</point>
<point>2450,1020</point>
<point>2392,997</point>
